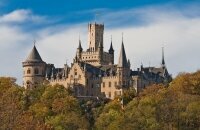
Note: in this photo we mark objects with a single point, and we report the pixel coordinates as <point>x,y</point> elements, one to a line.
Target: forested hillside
<point>172,107</point>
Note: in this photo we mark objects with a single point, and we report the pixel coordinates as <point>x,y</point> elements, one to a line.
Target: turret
<point>79,50</point>
<point>122,63</point>
<point>167,77</point>
<point>111,52</point>
<point>163,59</point>
<point>123,68</point>
<point>33,70</point>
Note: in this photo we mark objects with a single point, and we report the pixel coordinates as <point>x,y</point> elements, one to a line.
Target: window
<point>28,71</point>
<point>109,84</point>
<point>36,71</point>
<point>109,94</point>
<point>104,84</point>
<point>115,84</point>
<point>75,73</point>
<point>28,84</point>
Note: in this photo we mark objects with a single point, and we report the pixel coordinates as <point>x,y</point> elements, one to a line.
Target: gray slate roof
<point>122,57</point>
<point>111,50</point>
<point>34,56</point>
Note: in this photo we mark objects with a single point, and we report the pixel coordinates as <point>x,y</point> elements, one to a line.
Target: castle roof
<point>111,50</point>
<point>34,56</point>
<point>79,46</point>
<point>90,68</point>
<point>122,57</point>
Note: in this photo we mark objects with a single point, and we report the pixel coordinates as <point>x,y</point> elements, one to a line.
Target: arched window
<point>28,84</point>
<point>36,71</point>
<point>28,71</point>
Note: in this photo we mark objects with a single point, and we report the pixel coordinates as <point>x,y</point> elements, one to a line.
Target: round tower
<point>33,70</point>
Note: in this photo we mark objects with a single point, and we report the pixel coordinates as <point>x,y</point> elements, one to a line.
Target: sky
<point>147,25</point>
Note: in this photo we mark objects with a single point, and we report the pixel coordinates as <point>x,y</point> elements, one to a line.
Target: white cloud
<point>20,16</point>
<point>178,31</point>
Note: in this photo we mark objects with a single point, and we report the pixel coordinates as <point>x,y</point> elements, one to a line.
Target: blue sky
<point>56,25</point>
<point>61,7</point>
<point>68,11</point>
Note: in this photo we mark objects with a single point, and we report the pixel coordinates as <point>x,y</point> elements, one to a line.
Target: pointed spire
<point>79,46</point>
<point>163,58</point>
<point>111,50</point>
<point>34,56</point>
<point>122,57</point>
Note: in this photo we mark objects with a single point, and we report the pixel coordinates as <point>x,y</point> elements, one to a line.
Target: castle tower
<point>95,35</point>
<point>123,68</point>
<point>33,69</point>
<point>111,52</point>
<point>79,50</point>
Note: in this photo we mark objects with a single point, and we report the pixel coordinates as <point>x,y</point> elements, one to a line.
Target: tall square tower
<point>95,36</point>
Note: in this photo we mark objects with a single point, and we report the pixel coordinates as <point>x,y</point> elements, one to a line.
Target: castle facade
<point>93,71</point>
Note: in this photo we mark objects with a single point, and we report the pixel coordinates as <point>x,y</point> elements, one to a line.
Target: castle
<point>93,72</point>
